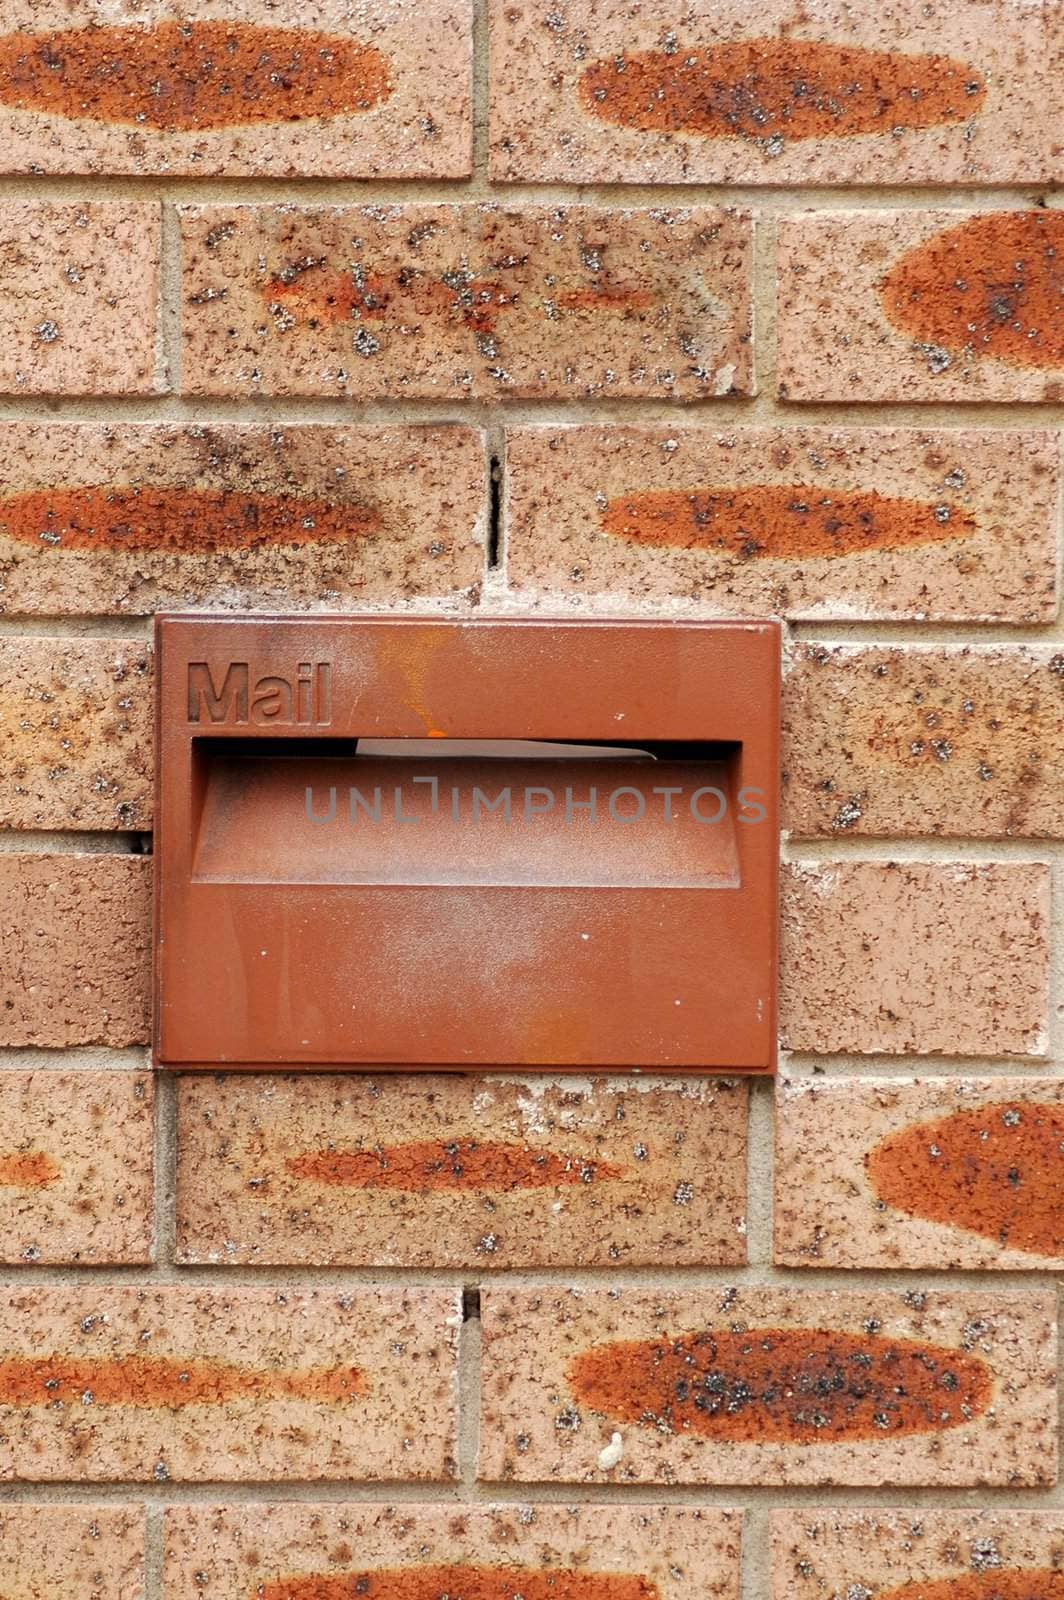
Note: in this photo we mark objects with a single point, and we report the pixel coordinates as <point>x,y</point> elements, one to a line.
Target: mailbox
<point>427,843</point>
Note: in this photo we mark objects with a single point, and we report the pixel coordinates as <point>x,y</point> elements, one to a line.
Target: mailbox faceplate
<point>326,900</point>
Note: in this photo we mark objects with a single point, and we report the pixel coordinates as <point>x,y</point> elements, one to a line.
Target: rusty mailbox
<point>405,843</point>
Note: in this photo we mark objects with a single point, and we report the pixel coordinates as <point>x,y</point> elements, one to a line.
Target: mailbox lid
<point>277,947</point>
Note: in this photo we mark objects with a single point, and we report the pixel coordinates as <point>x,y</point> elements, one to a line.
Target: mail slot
<point>408,843</point>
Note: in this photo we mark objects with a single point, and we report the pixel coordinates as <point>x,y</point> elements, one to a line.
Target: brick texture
<point>455,302</point>
<point>805,522</point>
<point>52,1550</point>
<point>75,735</point>
<point>602,1552</point>
<point>908,958</point>
<point>900,742</point>
<point>952,1554</point>
<point>461,1172</point>
<point>156,1384</point>
<point>768,1386</point>
<point>76,1167</point>
<point>717,93</point>
<point>138,518</point>
<point>78,312</point>
<point>75,954</point>
<point>381,91</point>
<point>966,1173</point>
<point>928,305</point>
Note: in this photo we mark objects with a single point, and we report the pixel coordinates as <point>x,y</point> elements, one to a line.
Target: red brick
<point>768,1386</point>
<point>453,302</point>
<point>456,1171</point>
<point>136,517</point>
<point>49,1551</point>
<point>75,733</point>
<point>108,1384</point>
<point>804,522</point>
<point>605,91</point>
<point>381,91</point>
<point>928,305</point>
<point>78,314</point>
<point>909,957</point>
<point>923,1551</point>
<point>75,949</point>
<point>543,1552</point>
<point>951,740</point>
<point>76,1167</point>
<point>962,1173</point>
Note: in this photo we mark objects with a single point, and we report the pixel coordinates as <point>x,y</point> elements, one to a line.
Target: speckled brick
<point>327,89</point>
<point>921,306</point>
<point>75,733</point>
<point>768,1386</point>
<point>100,1383</point>
<point>951,740</point>
<point>135,517</point>
<point>910,957</point>
<point>453,302</point>
<point>803,522</point>
<point>456,1171</point>
<point>75,949</point>
<point>413,1552</point>
<point>920,1554</point>
<point>76,1167</point>
<point>962,1173</point>
<point>78,312</point>
<point>56,1552</point>
<point>614,91</point>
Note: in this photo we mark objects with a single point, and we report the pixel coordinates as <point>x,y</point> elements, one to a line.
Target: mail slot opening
<point>488,812</point>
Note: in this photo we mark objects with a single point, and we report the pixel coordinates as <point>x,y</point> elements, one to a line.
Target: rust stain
<point>323,296</point>
<point>469,1582</point>
<point>997,1171</point>
<point>1017,1583</point>
<point>163,1382</point>
<point>186,521</point>
<point>784,1386</point>
<point>33,1170</point>
<point>769,90</point>
<point>435,1165</point>
<point>992,286</point>
<point>180,77</point>
<point>781,521</point>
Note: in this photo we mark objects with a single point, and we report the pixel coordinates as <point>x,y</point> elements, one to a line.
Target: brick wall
<point>697,311</point>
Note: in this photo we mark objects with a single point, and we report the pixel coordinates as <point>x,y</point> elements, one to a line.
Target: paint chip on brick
<point>913,958</point>
<point>963,1173</point>
<point>379,91</point>
<point>466,301</point>
<point>803,522</point>
<point>146,1384</point>
<point>769,1386</point>
<point>452,1171</point>
<point>76,1167</point>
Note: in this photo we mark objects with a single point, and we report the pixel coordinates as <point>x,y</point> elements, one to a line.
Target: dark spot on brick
<point>1019,1583</point>
<point>997,1171</point>
<point>783,522</point>
<point>180,77</point>
<point>783,1386</point>
<point>450,1166</point>
<point>992,286</point>
<point>185,521</point>
<point>164,1382</point>
<point>771,90</point>
<point>461,1582</point>
<point>33,1170</point>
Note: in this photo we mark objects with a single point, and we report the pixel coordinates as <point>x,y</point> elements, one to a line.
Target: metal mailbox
<point>412,843</point>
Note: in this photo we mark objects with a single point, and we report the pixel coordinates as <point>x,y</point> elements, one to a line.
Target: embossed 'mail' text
<point>304,698</point>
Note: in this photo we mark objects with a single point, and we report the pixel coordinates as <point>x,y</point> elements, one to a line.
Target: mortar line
<point>165,1188</point>
<point>763,312</point>
<point>759,1179</point>
<point>154,1550</point>
<point>170,300</point>
<point>468,1391</point>
<point>480,182</point>
<point>755,1581</point>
